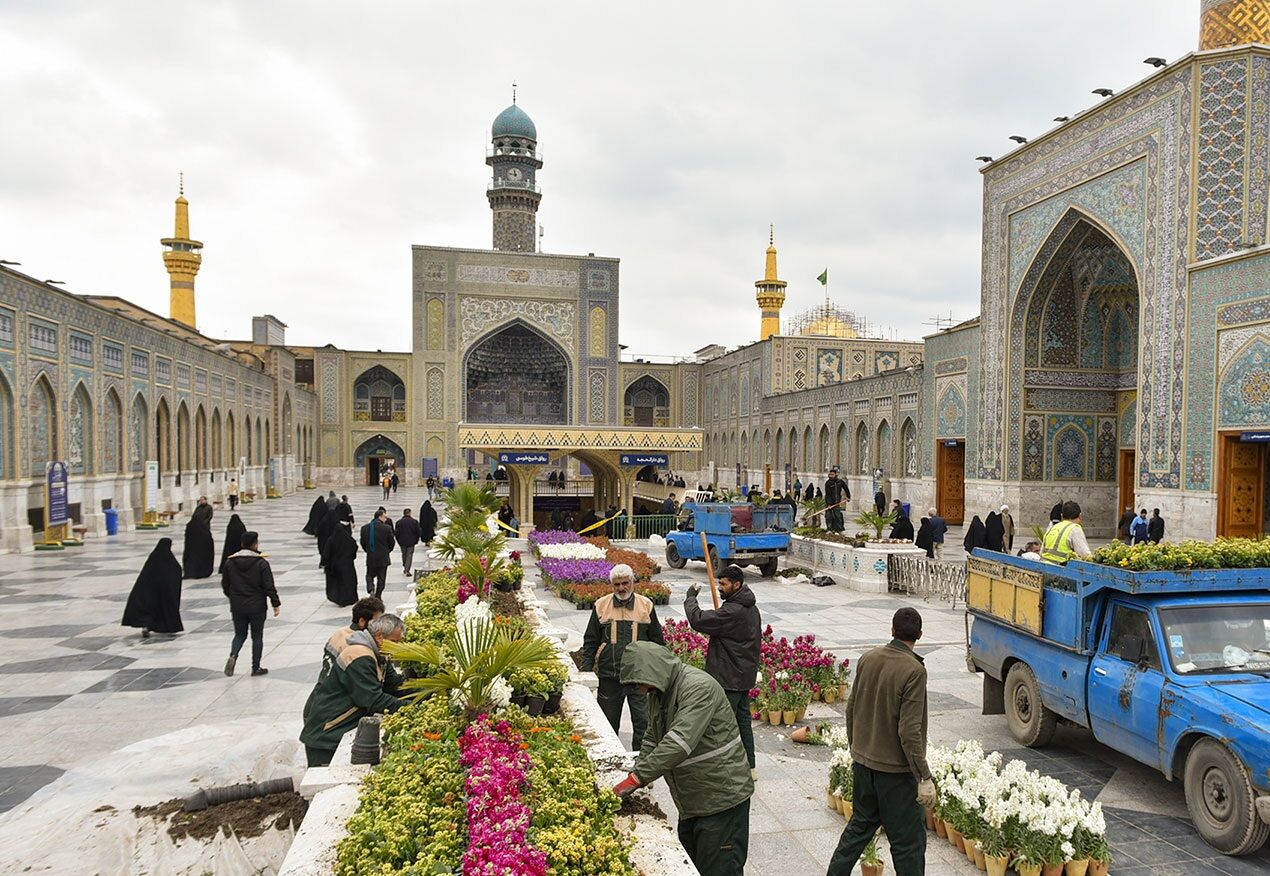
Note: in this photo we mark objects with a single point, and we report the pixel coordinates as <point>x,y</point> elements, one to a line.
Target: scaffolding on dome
<point>828,321</point>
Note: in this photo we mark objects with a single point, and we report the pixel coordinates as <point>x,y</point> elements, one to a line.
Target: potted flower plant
<point>871,863</point>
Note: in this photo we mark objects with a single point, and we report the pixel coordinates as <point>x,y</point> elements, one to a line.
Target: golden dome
<point>830,325</point>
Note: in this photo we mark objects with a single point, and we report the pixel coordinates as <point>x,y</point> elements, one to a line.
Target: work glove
<point>926,793</point>
<point>626,786</point>
<point>694,589</point>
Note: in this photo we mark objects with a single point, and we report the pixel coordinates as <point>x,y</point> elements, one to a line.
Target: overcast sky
<point>319,140</point>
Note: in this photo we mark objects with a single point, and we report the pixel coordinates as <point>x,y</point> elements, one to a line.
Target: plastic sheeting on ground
<point>83,822</point>
<point>656,541</point>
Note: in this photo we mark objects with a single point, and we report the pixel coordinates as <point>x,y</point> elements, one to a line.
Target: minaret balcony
<point>522,185</point>
<point>525,154</point>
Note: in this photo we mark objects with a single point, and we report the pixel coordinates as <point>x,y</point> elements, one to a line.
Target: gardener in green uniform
<point>693,741</point>
<point>355,680</point>
<point>617,619</point>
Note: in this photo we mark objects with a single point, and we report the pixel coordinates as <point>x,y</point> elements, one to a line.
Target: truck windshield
<point>1218,638</point>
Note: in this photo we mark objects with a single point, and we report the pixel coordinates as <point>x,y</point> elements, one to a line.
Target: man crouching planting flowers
<point>692,740</point>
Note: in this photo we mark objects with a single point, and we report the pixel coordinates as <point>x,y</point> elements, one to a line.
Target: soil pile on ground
<point>633,805</point>
<point>243,818</point>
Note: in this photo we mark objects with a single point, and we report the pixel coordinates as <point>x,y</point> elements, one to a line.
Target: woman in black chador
<point>976,535</point>
<point>994,532</point>
<point>155,600</point>
<point>427,522</point>
<point>316,513</point>
<point>199,555</point>
<point>233,540</point>
<point>337,560</point>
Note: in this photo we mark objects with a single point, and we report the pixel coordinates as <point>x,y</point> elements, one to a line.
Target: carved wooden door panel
<point>1242,488</point>
<point>951,477</point>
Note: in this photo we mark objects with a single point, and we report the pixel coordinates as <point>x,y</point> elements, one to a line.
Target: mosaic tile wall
<point>1232,297</point>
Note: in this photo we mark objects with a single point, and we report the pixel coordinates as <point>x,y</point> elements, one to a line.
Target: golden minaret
<point>1233,23</point>
<point>771,293</point>
<point>182,257</point>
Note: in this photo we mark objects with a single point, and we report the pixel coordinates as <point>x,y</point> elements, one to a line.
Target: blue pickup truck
<point>736,532</point>
<point>1170,668</point>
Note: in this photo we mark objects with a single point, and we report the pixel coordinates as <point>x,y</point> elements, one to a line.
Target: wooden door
<point>1241,489</point>
<point>1128,477</point>
<point>950,482</point>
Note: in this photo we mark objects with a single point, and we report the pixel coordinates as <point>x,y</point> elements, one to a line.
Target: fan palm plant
<point>875,520</point>
<point>468,504</point>
<point>469,667</point>
<point>812,509</point>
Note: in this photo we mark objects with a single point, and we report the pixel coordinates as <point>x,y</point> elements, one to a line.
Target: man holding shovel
<point>836,493</point>
<point>736,635</point>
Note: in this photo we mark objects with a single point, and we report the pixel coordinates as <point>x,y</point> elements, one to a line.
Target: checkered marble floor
<point>78,685</point>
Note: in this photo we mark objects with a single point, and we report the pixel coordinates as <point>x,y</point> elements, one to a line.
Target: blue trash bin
<point>112,521</point>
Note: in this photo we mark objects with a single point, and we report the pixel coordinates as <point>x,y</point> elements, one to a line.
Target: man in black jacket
<point>1155,527</point>
<point>836,491</point>
<point>248,582</point>
<point>377,541</point>
<point>408,535</point>
<point>736,634</point>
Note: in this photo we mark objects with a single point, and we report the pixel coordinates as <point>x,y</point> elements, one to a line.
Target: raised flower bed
<point>859,568</point>
<point>506,793</point>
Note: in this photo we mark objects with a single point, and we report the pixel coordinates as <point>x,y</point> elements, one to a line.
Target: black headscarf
<point>879,501</point>
<point>903,527</point>
<point>233,540</point>
<point>428,521</point>
<point>994,532</point>
<point>316,513</point>
<point>199,553</point>
<point>1056,513</point>
<point>155,600</point>
<point>926,538</point>
<point>975,537</point>
<point>327,525</point>
<point>204,513</point>
<point>338,554</point>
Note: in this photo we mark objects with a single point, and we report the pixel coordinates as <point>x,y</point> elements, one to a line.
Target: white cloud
<point>320,140</point>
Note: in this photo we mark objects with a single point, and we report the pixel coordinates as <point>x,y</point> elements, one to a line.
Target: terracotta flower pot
<point>956,840</point>
<point>829,695</point>
<point>1098,868</point>
<point>832,798</point>
<point>941,828</point>
<point>1052,870</point>
<point>969,849</point>
<point>848,809</point>
<point>801,734</point>
<point>774,718</point>
<point>842,691</point>
<point>981,860</point>
<point>930,818</point>
<point>1076,868</point>
<point>1028,869</point>
<point>872,869</point>
<point>997,864</point>
<point>790,716</point>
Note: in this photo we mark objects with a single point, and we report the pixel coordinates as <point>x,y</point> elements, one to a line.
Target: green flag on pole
<point>824,278</point>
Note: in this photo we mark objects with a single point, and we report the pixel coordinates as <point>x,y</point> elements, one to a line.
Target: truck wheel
<point>1220,799</point>
<point>714,561</point>
<point>768,569</point>
<point>673,559</point>
<point>1031,723</point>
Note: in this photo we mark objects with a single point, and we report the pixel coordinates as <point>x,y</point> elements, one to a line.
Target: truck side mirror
<point>1133,649</point>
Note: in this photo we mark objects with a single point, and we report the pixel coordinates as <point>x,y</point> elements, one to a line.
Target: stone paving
<point>78,686</point>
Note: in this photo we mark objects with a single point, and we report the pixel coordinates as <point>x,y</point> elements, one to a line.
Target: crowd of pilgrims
<point>154,603</point>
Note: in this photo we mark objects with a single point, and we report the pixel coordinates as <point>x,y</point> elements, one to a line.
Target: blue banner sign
<point>1259,437</point>
<point>58,508</point>
<point>661,460</point>
<point>519,457</point>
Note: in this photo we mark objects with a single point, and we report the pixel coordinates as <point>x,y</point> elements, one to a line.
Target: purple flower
<point>553,536</point>
<point>576,570</point>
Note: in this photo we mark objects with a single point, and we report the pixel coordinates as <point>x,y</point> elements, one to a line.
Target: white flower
<point>573,551</point>
<point>472,611</point>
<point>499,692</point>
